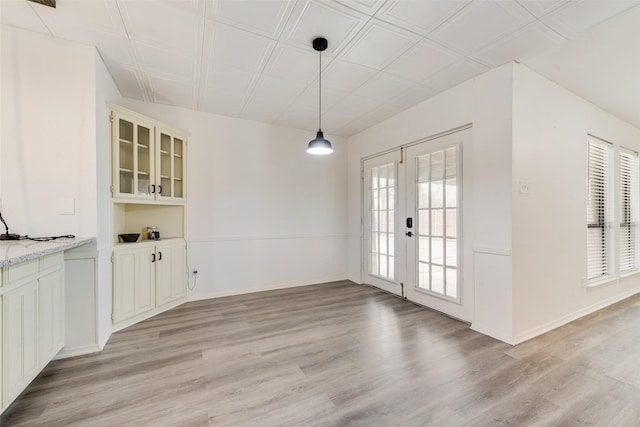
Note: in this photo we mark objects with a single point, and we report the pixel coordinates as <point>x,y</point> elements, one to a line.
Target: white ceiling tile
<point>240,49</point>
<point>383,87</point>
<point>419,16</point>
<point>278,90</point>
<point>345,76</point>
<point>421,61</point>
<point>162,61</point>
<point>352,106</point>
<point>457,73</point>
<point>170,92</point>
<point>368,7</point>
<point>481,23</point>
<point>259,16</point>
<point>542,7</point>
<point>521,45</point>
<point>225,103</point>
<point>126,79</point>
<point>97,15</point>
<point>263,110</point>
<point>580,16</point>
<point>191,6</point>
<point>163,25</point>
<point>18,13</point>
<point>300,117</point>
<point>228,79</point>
<point>414,95</point>
<point>311,19</point>
<point>309,97</point>
<point>294,64</point>
<point>378,44</point>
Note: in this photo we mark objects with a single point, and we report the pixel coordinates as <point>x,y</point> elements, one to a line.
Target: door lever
<point>408,233</point>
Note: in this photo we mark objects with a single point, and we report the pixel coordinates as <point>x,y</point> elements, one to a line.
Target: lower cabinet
<point>147,276</point>
<point>32,313</point>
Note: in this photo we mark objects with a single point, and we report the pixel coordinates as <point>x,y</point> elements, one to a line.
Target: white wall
<point>549,251</point>
<point>261,213</point>
<point>485,102</point>
<point>48,134</point>
<point>106,92</point>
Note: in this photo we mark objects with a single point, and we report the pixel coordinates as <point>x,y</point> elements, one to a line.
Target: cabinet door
<point>20,308</point>
<point>51,316</point>
<point>171,272</point>
<point>171,161</point>
<point>133,157</point>
<point>133,282</point>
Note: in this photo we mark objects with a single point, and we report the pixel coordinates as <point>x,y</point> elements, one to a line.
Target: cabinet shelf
<point>143,146</point>
<point>178,156</point>
<point>177,179</point>
<point>164,151</point>
<point>128,171</point>
<point>125,141</point>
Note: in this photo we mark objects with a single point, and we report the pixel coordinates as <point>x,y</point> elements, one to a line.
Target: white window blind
<point>599,253</point>
<point>629,193</point>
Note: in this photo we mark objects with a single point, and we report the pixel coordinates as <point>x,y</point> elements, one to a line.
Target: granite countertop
<point>17,251</point>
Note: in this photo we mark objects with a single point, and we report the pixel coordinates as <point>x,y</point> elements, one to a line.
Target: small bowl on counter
<point>129,237</point>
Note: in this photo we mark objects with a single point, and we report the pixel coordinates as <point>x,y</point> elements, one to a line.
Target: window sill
<point>629,273</point>
<point>604,281</point>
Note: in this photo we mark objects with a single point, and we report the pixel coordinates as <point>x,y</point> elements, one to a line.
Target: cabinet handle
<point>153,257</point>
<point>153,188</point>
<point>159,255</point>
<point>159,189</point>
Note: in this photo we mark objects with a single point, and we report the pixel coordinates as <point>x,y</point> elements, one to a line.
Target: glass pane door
<point>164,190</point>
<point>144,157</point>
<point>125,149</point>
<point>178,169</point>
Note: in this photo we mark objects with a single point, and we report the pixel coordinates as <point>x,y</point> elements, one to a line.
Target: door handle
<point>408,233</point>
<point>159,255</point>
<point>153,257</point>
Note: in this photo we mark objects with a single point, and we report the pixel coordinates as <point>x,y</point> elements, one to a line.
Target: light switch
<point>524,187</point>
<point>67,206</point>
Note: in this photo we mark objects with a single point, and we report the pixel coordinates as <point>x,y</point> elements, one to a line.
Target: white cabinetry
<point>32,313</point>
<point>149,158</point>
<point>147,277</point>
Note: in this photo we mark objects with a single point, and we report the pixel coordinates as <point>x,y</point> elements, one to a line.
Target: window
<point>437,192</point>
<point>599,254</point>
<point>629,193</point>
<point>382,184</point>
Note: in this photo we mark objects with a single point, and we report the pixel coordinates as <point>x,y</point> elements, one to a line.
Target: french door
<point>413,223</point>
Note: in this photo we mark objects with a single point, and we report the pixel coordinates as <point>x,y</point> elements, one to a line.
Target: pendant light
<point>319,145</point>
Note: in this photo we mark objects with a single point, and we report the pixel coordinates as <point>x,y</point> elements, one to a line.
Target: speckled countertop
<point>17,251</point>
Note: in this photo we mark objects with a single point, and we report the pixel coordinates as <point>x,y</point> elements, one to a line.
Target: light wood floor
<point>341,354</point>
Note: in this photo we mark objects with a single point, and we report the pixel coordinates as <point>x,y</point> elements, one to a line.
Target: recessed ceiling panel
<point>346,76</point>
<point>313,19</point>
<point>579,16</point>
<point>258,16</point>
<point>383,87</point>
<point>521,45</point>
<point>236,48</point>
<point>162,61</point>
<point>378,44</point>
<point>20,14</point>
<point>414,95</point>
<point>309,97</point>
<point>294,64</point>
<point>163,25</point>
<point>541,7</point>
<point>454,75</point>
<point>170,92</point>
<point>127,80</point>
<point>481,23</point>
<point>225,103</point>
<point>277,90</point>
<point>419,16</point>
<point>368,7</point>
<point>229,79</point>
<point>421,61</point>
<point>300,117</point>
<point>263,110</point>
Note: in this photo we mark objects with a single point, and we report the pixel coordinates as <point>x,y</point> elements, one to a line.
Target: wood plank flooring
<point>341,354</point>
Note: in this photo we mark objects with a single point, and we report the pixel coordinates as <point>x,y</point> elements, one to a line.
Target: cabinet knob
<point>153,257</point>
<point>159,189</point>
<point>159,255</point>
<point>153,188</point>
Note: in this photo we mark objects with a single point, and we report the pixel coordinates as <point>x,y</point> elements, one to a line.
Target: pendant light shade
<point>320,145</point>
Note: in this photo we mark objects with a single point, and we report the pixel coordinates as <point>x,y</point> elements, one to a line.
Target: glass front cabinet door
<point>148,160</point>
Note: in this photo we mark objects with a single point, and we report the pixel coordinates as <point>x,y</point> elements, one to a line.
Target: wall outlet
<point>524,187</point>
<point>195,273</point>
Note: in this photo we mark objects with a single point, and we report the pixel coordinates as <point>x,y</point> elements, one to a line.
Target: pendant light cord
<point>320,94</point>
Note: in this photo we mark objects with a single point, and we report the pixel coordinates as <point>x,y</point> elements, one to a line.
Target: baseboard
<point>81,350</point>
<point>137,319</point>
<point>209,295</point>
<point>549,326</point>
<point>493,333</point>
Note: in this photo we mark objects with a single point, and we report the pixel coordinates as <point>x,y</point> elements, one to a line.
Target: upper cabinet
<point>149,159</point>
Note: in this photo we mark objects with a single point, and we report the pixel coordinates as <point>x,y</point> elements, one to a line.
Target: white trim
<point>212,239</point>
<point>80,350</point>
<point>546,327</point>
<point>212,295</point>
<point>607,280</point>
<point>493,333</point>
<point>492,251</point>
